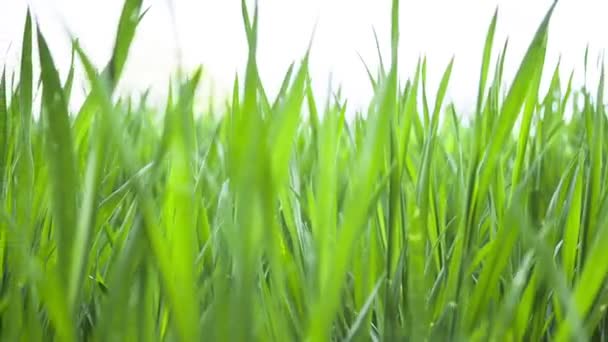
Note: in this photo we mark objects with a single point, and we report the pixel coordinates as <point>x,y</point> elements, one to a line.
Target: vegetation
<point>279,219</point>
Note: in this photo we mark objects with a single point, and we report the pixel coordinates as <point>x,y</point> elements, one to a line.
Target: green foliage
<point>278,220</point>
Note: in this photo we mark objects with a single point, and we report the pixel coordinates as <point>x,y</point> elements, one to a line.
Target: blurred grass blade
<point>60,154</point>
<point>63,179</point>
<point>5,126</point>
<point>129,19</point>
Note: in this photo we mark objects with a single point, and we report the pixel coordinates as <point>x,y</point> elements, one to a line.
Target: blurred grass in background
<point>278,219</point>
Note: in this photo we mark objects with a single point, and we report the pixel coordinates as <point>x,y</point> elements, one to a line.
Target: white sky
<point>210,32</point>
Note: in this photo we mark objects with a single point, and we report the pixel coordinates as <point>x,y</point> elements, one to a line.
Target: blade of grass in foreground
<point>596,160</point>
<point>181,203</point>
<point>64,185</point>
<point>5,126</point>
<point>60,154</point>
<point>129,19</point>
<point>485,63</point>
<point>592,278</point>
<point>359,199</point>
<point>321,229</point>
<point>485,171</point>
<point>528,112</point>
<point>25,83</point>
<point>418,232</point>
<point>182,320</point>
<point>25,159</point>
<point>532,62</point>
<point>570,250</point>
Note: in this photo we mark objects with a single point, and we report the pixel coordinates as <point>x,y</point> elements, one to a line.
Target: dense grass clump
<point>280,220</point>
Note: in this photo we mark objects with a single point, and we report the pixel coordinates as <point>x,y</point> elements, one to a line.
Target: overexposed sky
<point>210,32</point>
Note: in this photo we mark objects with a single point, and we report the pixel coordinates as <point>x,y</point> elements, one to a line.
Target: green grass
<point>278,219</point>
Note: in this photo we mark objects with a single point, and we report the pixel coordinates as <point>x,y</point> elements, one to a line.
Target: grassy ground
<point>276,219</point>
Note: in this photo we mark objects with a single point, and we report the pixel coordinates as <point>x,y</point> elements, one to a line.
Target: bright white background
<point>210,32</point>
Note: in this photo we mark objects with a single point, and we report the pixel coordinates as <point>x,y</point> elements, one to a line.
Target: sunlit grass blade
<point>25,161</point>
<point>485,63</point>
<point>526,122</point>
<point>69,82</point>
<point>26,81</point>
<point>129,19</point>
<point>126,220</point>
<point>481,175</point>
<point>180,207</point>
<point>572,231</point>
<point>144,201</point>
<point>595,187</point>
<point>63,180</point>
<point>60,154</point>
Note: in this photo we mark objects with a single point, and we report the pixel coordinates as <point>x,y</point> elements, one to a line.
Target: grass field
<point>276,219</point>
